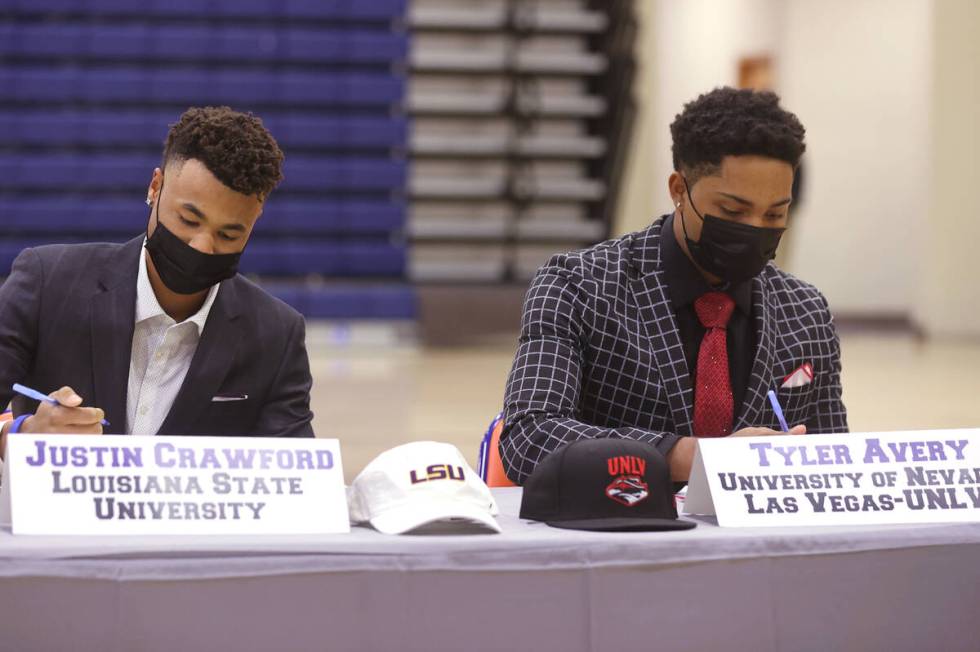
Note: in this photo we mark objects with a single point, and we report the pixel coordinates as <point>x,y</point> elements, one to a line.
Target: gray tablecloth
<point>531,587</point>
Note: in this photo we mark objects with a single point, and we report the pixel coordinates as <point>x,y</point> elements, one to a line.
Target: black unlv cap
<point>603,484</point>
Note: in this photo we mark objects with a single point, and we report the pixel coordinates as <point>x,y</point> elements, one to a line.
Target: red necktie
<point>713,403</point>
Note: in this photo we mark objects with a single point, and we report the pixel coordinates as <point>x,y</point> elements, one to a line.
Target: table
<point>531,587</point>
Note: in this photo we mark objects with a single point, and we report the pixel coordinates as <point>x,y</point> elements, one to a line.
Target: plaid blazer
<point>600,355</point>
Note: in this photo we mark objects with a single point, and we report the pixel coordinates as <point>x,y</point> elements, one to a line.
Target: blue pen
<point>778,410</point>
<point>38,396</point>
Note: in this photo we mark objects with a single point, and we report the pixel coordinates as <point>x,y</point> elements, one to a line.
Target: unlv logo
<point>628,488</point>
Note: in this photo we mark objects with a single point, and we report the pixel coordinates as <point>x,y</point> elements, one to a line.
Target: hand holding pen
<point>784,427</point>
<point>60,412</point>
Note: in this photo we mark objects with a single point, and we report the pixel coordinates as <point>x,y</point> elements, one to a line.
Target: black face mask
<point>182,268</point>
<point>732,251</point>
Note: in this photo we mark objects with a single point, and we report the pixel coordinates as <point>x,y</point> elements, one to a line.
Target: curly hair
<point>235,147</point>
<point>731,122</point>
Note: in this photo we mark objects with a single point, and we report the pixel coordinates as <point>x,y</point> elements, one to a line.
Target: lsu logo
<point>628,487</point>
<point>437,472</point>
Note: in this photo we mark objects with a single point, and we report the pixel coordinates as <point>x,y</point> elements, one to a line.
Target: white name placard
<point>926,476</point>
<point>90,484</point>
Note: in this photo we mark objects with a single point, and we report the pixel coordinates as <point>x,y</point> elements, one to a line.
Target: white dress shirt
<point>162,353</point>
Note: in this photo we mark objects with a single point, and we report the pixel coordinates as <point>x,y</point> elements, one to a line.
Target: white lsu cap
<point>420,483</point>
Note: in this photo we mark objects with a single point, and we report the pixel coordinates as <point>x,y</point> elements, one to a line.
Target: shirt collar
<point>148,307</point>
<point>684,281</point>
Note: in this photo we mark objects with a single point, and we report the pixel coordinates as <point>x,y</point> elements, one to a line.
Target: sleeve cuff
<point>667,442</point>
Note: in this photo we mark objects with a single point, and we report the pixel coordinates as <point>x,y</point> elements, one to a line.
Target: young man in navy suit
<point>161,335</point>
<point>680,330</point>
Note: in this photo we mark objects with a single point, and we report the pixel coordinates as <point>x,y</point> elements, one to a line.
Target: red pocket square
<point>803,375</point>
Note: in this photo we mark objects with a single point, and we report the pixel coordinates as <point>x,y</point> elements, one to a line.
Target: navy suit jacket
<point>600,355</point>
<point>67,315</point>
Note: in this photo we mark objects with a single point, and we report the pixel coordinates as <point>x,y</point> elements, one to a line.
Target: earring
<point>149,202</point>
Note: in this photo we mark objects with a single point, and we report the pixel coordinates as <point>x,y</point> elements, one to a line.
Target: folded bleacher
<point>522,113</point>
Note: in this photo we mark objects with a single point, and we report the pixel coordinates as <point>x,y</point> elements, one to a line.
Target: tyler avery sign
<point>900,477</point>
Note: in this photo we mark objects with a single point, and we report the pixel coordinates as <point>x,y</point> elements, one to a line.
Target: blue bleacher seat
<point>64,83</point>
<point>338,132</point>
<point>320,216</point>
<point>81,214</point>
<point>67,172</point>
<point>186,86</point>
<point>352,89</point>
<point>81,172</point>
<point>70,128</point>
<point>314,173</point>
<point>201,43</point>
<point>344,46</point>
<point>132,127</point>
<point>326,257</point>
<point>296,258</point>
<point>334,10</point>
<point>72,214</point>
<point>390,301</point>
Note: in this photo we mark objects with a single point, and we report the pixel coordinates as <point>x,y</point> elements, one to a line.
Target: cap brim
<point>404,518</point>
<point>624,524</point>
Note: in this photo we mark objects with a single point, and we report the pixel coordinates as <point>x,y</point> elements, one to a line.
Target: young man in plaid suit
<point>680,330</point>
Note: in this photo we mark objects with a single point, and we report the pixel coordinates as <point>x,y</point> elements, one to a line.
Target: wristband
<point>17,423</point>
